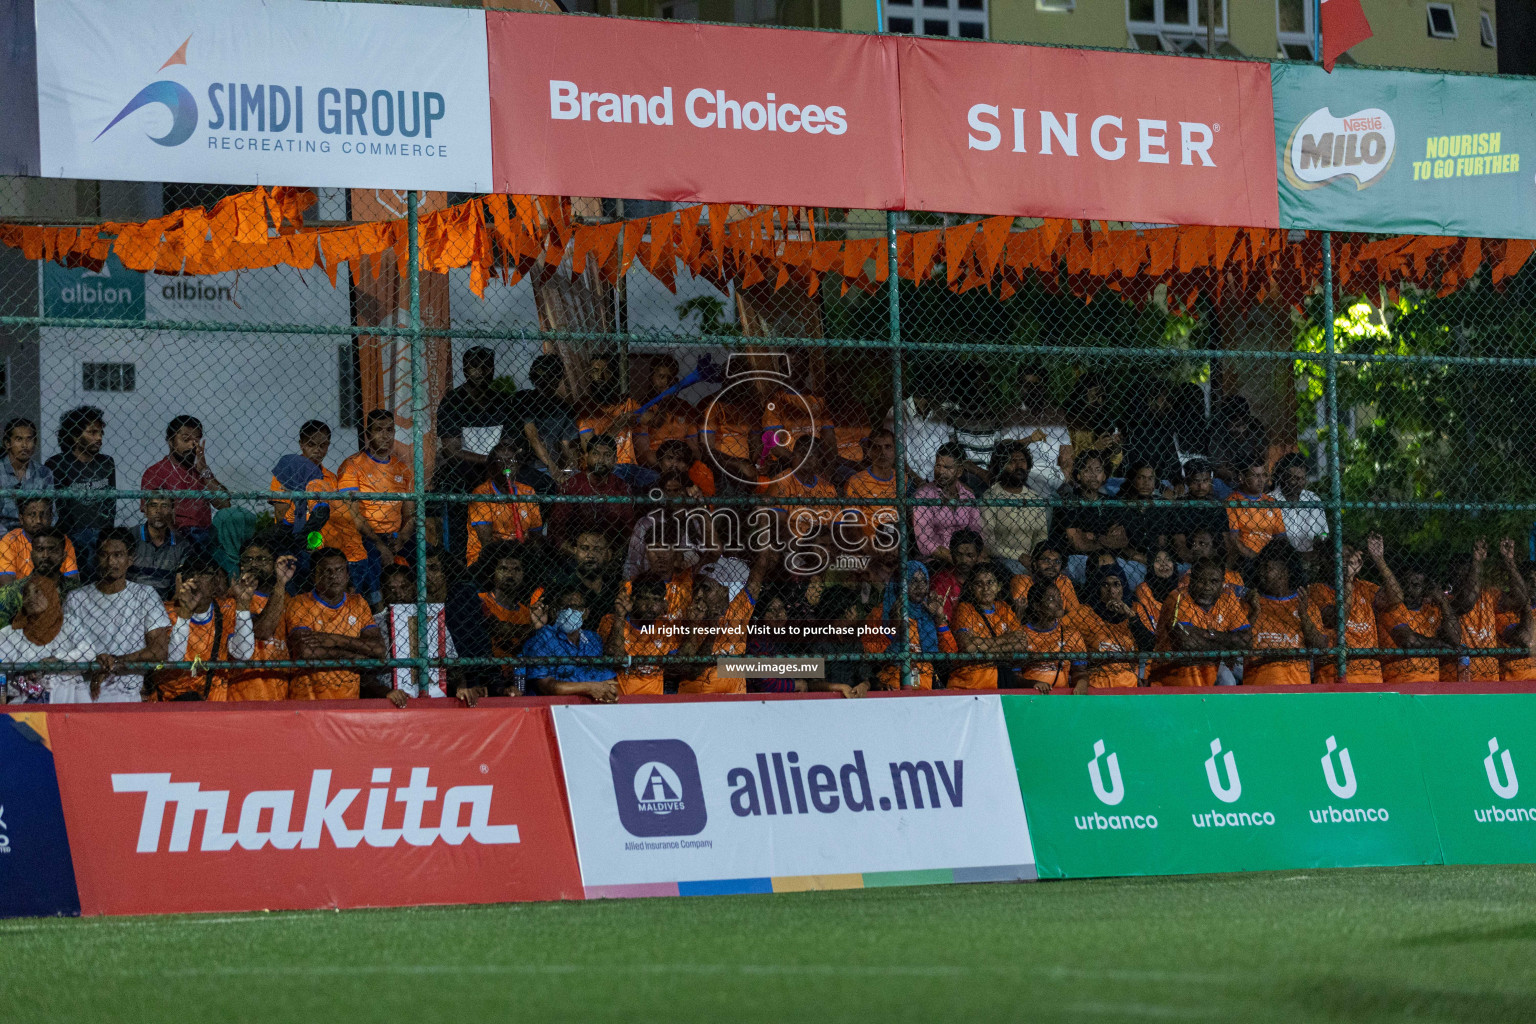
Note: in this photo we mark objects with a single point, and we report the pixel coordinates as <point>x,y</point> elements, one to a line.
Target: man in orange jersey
<point>384,526</point>
<point>1046,562</point>
<point>1282,618</point>
<point>877,481</point>
<point>204,628</point>
<point>983,624</point>
<point>1476,608</point>
<point>606,410</point>
<point>638,632</point>
<point>1517,628</point>
<point>724,596</point>
<point>1417,616</point>
<point>330,623</point>
<point>1252,514</point>
<point>1047,633</point>
<point>491,521</point>
<point>16,546</point>
<point>1105,622</point>
<point>266,574</point>
<point>1364,601</point>
<point>506,602</point>
<point>1207,543</point>
<point>1206,616</point>
<point>297,472</point>
<point>806,481</point>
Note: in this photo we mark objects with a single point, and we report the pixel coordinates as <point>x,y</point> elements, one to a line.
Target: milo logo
<point>1323,148</point>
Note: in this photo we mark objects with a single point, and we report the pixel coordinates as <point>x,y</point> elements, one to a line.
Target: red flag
<point>1343,25</point>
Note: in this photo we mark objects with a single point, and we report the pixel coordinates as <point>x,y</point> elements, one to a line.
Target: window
<point>1293,24</point>
<point>1055,6</point>
<point>954,19</point>
<point>1442,21</point>
<point>1485,29</point>
<point>1172,26</point>
<point>106,376</point>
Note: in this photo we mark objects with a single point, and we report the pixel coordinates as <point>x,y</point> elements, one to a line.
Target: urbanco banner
<point>1183,784</point>
<point>1405,151</point>
<point>271,92</point>
<point>1045,132</point>
<point>247,810</point>
<point>1483,786</point>
<point>785,795</point>
<point>693,113</point>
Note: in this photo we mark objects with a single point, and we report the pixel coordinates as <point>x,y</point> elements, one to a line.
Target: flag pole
<point>1317,30</point>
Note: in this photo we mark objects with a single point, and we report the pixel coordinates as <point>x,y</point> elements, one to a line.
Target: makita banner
<point>1479,746</point>
<point>247,810</point>
<point>686,112</point>
<point>1405,151</point>
<point>1047,132</point>
<point>1148,786</point>
<point>693,799</point>
<point>272,92</point>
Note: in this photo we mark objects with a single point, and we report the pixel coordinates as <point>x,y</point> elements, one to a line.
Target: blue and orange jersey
<point>16,556</point>
<point>367,475</point>
<point>309,612</point>
<point>508,520</point>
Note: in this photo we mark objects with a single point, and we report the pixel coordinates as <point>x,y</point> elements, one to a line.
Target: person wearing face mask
<point>1012,531</point>
<point>560,635</point>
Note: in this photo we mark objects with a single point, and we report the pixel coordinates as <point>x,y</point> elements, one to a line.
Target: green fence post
<point>1335,481</point>
<point>893,293</point>
<point>418,458</point>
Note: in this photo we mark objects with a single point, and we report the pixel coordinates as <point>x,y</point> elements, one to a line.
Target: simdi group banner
<point>248,810</point>
<point>1405,151</point>
<point>698,798</point>
<point>598,106</point>
<point>285,92</point>
<point>1185,784</point>
<point>1049,132</point>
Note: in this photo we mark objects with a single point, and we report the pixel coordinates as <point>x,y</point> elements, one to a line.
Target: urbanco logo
<point>173,96</point>
<point>1505,789</point>
<point>1234,789</point>
<point>786,413</point>
<point>1324,147</point>
<point>1116,791</point>
<point>657,787</point>
<point>1346,789</point>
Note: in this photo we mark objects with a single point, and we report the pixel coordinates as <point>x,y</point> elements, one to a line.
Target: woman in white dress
<point>39,633</point>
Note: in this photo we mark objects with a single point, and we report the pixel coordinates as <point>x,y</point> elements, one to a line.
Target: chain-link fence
<point>302,444</point>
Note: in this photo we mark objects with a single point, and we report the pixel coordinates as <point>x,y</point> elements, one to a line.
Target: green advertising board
<point>1478,745</point>
<point>112,293</point>
<point>1405,151</point>
<point>1135,785</point>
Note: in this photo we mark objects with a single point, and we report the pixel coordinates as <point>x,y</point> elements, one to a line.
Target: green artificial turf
<point>1432,944</point>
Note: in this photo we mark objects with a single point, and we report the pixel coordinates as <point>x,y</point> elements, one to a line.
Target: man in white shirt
<point>1304,527</point>
<point>122,621</point>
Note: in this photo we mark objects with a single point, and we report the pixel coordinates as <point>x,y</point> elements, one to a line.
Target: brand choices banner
<point>288,92</point>
<point>670,799</point>
<point>1046,132</point>
<point>1405,151</point>
<point>1148,786</point>
<point>592,106</point>
<point>240,810</point>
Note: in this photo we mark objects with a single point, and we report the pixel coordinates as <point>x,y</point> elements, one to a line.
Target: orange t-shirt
<point>1278,628</point>
<point>599,423</point>
<point>1424,621</point>
<point>1225,616</point>
<point>1255,520</point>
<point>170,683</point>
<point>508,520</point>
<point>339,531</point>
<point>792,487</point>
<point>263,684</point>
<point>1148,607</point>
<point>1000,621</point>
<point>729,431</point>
<point>1360,630</point>
<point>1234,579</point>
<point>1479,628</point>
<point>796,412</point>
<point>645,679</point>
<point>736,616</point>
<point>1101,636</point>
<point>16,555</point>
<point>865,485</point>
<point>352,617</point>
<point>1019,587</point>
<point>679,594</point>
<point>850,442</point>
<point>522,615</point>
<point>1513,666</point>
<point>1064,641</point>
<point>367,475</point>
<point>890,672</point>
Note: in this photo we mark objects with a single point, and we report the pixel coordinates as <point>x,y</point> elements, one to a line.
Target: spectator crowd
<point>622,545</point>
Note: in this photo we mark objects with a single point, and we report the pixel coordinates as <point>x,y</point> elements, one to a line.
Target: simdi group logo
<point>173,96</point>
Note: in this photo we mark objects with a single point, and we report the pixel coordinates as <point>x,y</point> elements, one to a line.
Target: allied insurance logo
<point>657,787</point>
<point>173,96</point>
<point>1325,148</point>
